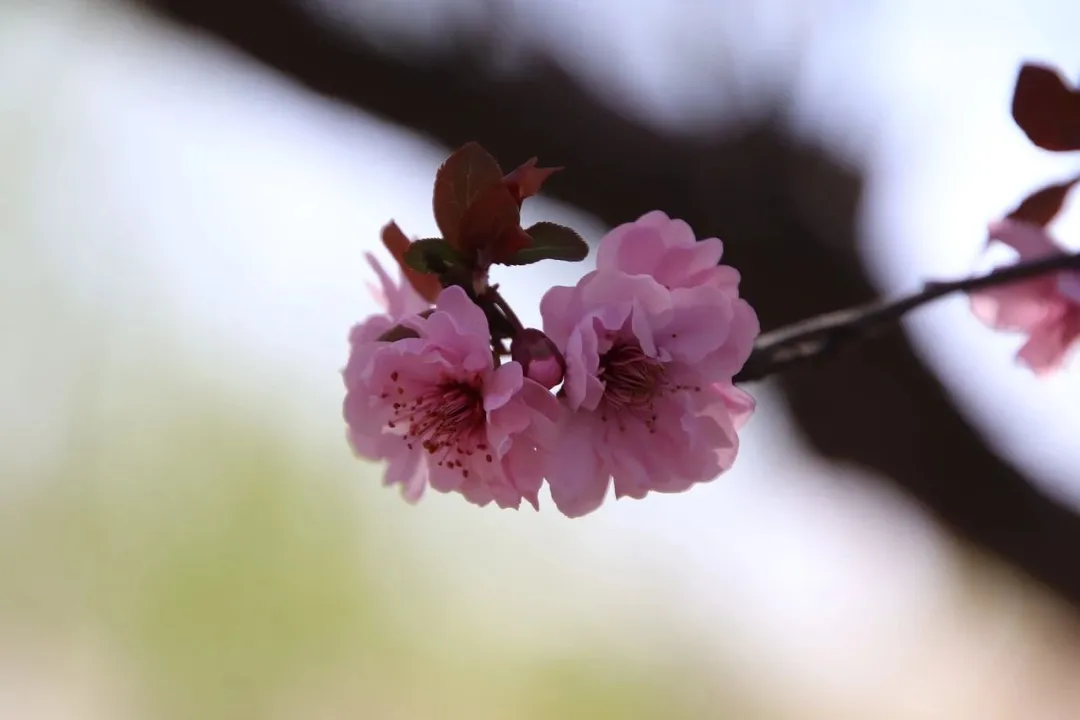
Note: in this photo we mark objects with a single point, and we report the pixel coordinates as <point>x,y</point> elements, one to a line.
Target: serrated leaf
<point>460,181</point>
<point>1042,206</point>
<point>1046,108</point>
<point>432,255</point>
<point>525,181</point>
<point>551,241</point>
<point>427,286</point>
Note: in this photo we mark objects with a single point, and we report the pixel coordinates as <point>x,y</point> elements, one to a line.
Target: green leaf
<point>551,241</point>
<point>466,175</point>
<point>432,255</point>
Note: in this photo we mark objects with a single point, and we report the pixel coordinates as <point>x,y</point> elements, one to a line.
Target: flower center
<point>447,419</point>
<point>631,380</point>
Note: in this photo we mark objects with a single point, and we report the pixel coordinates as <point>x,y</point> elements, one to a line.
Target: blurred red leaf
<point>525,181</point>
<point>428,286</point>
<point>1042,206</point>
<point>1046,109</point>
<point>467,174</point>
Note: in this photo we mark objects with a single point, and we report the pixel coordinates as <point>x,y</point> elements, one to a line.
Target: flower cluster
<point>628,383</point>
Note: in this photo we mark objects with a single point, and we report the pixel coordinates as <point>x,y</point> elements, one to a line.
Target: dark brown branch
<point>775,351</point>
<point>785,209</point>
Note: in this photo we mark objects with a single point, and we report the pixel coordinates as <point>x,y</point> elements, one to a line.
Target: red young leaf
<point>526,180</point>
<point>428,286</point>
<point>1042,206</point>
<point>465,176</point>
<point>490,228</point>
<point>511,243</point>
<point>1046,109</point>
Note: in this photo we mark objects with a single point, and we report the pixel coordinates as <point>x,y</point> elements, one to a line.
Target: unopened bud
<point>540,360</point>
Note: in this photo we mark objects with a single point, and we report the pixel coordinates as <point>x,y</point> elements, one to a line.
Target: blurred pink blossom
<point>434,406</point>
<point>1045,308</point>
<point>651,340</point>
<point>397,299</point>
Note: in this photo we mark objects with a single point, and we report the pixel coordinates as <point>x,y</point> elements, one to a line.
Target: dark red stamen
<point>447,419</point>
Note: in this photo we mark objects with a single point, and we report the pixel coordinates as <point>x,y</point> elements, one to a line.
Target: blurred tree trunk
<point>785,209</point>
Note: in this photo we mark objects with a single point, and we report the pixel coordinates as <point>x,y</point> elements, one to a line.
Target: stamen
<point>631,378</point>
<point>447,419</point>
<point>632,382</point>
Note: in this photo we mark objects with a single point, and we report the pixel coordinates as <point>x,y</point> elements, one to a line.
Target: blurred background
<point>187,191</point>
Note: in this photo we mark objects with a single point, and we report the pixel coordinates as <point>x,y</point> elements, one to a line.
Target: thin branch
<point>777,350</point>
<point>500,302</point>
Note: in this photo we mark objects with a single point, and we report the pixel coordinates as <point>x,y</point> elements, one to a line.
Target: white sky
<point>185,185</point>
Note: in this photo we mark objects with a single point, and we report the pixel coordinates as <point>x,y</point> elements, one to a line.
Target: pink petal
<point>1030,241</point>
<point>582,355</point>
<point>1017,306</point>
<point>678,234</point>
<point>524,466</point>
<point>1068,284</point>
<point>700,324</point>
<point>745,329</point>
<point>501,386</point>
<point>459,327</point>
<point>398,299</point>
<point>1044,350</point>
<point>653,218</point>
<point>631,248</point>
<point>577,481</point>
<point>557,313</point>
<point>682,266</point>
<point>408,471</point>
<point>738,403</point>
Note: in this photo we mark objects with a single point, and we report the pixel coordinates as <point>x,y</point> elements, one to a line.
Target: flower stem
<point>500,302</point>
<point>778,349</point>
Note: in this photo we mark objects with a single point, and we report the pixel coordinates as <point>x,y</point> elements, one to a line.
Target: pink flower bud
<point>540,360</point>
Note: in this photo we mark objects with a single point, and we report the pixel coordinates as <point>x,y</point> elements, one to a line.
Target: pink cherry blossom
<point>667,250</point>
<point>1045,308</point>
<point>648,371</point>
<point>398,299</point>
<point>434,407</point>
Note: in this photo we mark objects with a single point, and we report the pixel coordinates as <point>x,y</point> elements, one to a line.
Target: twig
<point>777,350</point>
<point>499,301</point>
